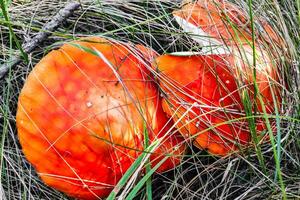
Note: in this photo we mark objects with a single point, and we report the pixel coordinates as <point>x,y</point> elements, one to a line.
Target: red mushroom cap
<point>204,99</point>
<point>82,113</point>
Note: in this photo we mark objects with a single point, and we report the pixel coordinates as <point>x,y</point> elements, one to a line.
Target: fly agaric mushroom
<point>218,22</point>
<point>82,113</point>
<point>204,91</point>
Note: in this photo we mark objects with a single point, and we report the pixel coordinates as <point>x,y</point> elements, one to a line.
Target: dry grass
<point>200,176</point>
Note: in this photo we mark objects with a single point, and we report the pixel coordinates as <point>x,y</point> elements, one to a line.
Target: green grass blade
<point>18,44</point>
<point>131,170</point>
<point>252,126</point>
<point>148,164</point>
<point>142,182</point>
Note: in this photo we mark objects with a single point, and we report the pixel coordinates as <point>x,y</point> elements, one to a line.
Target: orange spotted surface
<point>81,117</point>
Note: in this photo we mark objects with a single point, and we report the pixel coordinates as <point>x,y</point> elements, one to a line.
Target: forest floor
<point>200,175</point>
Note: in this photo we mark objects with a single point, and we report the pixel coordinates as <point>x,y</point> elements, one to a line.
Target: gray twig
<point>42,35</point>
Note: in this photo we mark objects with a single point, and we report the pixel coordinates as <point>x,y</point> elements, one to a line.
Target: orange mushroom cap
<point>202,96</point>
<point>225,22</point>
<point>204,91</point>
<point>82,114</point>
